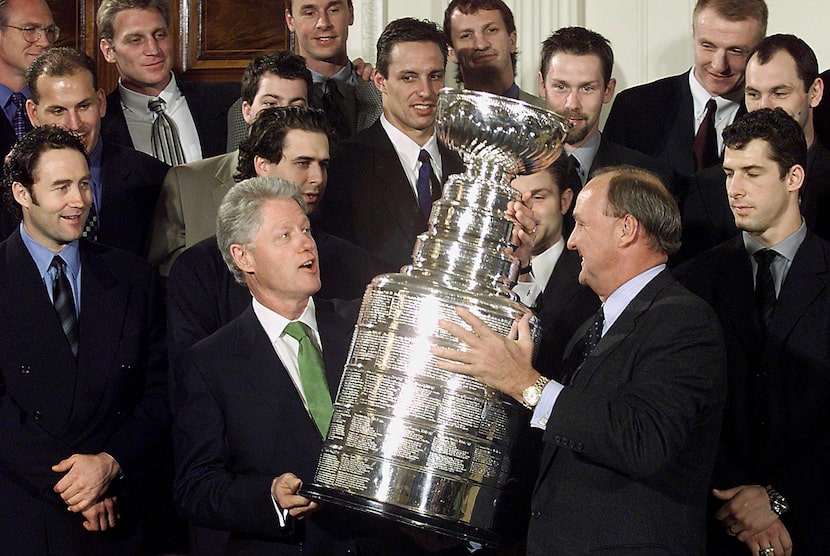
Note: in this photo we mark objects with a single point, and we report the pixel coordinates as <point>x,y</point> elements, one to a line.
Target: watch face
<point>531,396</point>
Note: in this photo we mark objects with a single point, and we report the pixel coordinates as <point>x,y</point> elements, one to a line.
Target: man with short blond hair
<point>680,119</point>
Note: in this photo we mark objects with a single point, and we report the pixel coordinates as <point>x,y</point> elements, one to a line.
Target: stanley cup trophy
<point>410,441</point>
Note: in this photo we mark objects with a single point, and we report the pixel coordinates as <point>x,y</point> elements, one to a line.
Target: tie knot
<point>711,106</point>
<point>156,105</point>
<point>423,157</point>
<point>19,100</point>
<point>330,87</point>
<point>296,330</point>
<point>58,263</point>
<point>764,257</point>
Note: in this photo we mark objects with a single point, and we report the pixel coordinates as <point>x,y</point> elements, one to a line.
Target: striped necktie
<point>167,146</point>
<point>64,303</point>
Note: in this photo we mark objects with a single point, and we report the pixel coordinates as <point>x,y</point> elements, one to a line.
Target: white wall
<point>651,38</point>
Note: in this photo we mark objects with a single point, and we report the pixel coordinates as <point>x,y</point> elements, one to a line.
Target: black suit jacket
<point>114,399</point>
<point>708,221</point>
<point>657,119</point>
<point>369,200</point>
<point>240,422</point>
<point>208,103</point>
<point>131,182</point>
<point>777,421</point>
<point>562,307</point>
<point>7,136</point>
<point>629,447</point>
<point>610,153</point>
<point>203,296</point>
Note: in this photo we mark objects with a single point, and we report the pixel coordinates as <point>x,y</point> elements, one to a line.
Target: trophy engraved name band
<point>409,441</point>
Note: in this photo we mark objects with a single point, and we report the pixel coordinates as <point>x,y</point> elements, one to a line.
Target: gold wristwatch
<point>533,393</point>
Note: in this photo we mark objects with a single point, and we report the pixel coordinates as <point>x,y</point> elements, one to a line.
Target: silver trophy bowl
<point>409,441</point>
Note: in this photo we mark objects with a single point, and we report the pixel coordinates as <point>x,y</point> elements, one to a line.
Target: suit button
<point>37,415</point>
<point>580,446</point>
<point>535,514</point>
<point>25,369</point>
<point>557,439</point>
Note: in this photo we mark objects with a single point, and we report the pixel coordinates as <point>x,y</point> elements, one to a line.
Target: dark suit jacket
<point>131,184</point>
<point>629,447</point>
<point>821,114</point>
<point>208,103</point>
<point>708,221</point>
<point>114,399</point>
<point>657,119</point>
<point>562,307</point>
<point>203,296</point>
<point>777,421</point>
<point>7,136</point>
<point>610,153</point>
<point>240,422</point>
<point>369,200</point>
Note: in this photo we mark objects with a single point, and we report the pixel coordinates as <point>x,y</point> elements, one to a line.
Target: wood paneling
<point>215,39</point>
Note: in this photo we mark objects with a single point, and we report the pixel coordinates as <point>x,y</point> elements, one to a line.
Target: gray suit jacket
<point>629,447</point>
<point>187,206</point>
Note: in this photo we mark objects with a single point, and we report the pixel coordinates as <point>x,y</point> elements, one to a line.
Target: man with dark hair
<point>575,81</point>
<point>549,281</point>
<point>321,29</point>
<point>150,110</point>
<point>481,36</point>
<point>125,183</point>
<point>282,68</point>
<point>383,181</point>
<point>769,287</point>
<point>83,373</point>
<point>781,72</point>
<point>186,212</point>
<point>631,427</point>
<point>679,119</point>
<point>26,30</point>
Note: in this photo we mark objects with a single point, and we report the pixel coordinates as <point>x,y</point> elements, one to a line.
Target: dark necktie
<point>91,226</point>
<point>167,146</point>
<point>20,122</point>
<point>705,145</point>
<point>764,285</point>
<point>574,175</point>
<point>64,303</point>
<point>427,184</point>
<point>312,377</point>
<point>334,113</point>
<point>590,341</point>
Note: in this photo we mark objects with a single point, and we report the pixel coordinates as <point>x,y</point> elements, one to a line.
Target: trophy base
<point>453,529</point>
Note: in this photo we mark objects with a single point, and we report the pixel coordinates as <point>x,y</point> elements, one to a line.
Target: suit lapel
<point>224,176</point>
<point>735,297</point>
<point>262,368</point>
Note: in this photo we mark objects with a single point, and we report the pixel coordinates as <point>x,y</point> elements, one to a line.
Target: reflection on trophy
<point>409,441</point>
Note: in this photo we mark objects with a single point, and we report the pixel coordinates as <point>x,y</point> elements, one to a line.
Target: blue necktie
<point>20,122</point>
<point>424,184</point>
<point>64,303</point>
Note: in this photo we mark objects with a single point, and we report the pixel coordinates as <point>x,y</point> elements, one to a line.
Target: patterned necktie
<point>91,226</point>
<point>428,191</point>
<point>765,285</point>
<point>312,377</point>
<point>334,113</point>
<point>20,122</point>
<point>64,303</point>
<point>590,341</point>
<point>705,145</point>
<point>167,146</point>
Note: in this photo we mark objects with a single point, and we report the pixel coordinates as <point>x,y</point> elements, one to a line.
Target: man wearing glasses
<point>26,30</point>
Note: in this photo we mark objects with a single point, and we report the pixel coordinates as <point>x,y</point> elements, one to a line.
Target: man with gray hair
<point>244,441</point>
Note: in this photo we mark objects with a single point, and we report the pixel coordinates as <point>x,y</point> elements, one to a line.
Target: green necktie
<point>312,377</point>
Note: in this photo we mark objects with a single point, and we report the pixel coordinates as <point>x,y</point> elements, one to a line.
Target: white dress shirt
<point>725,115</point>
<point>408,151</point>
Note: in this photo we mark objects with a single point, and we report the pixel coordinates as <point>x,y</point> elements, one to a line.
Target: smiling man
<point>124,182</point>
<point>768,286</point>
<point>481,35</point>
<point>383,181</point>
<point>83,367</point>
<point>26,30</point>
<point>135,36</point>
<point>664,118</point>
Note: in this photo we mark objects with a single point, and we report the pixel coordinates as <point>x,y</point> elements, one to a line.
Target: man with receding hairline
<point>663,118</point>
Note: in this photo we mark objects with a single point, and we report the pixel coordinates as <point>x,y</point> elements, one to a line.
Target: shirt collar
<point>586,152</point>
<point>6,94</point>
<point>43,256</point>
<point>274,323</point>
<point>617,302</point>
<point>786,248</point>
<point>544,263</point>
<point>343,77</point>
<point>512,92</point>
<point>700,96</point>
<point>408,150</point>
<point>137,102</point>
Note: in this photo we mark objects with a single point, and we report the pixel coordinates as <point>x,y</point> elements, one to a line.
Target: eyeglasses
<point>33,34</point>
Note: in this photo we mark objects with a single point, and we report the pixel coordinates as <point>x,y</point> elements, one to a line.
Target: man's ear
<point>21,195</point>
<point>565,200</point>
<point>242,258</point>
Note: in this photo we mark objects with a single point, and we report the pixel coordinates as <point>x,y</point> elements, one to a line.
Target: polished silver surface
<point>408,440</point>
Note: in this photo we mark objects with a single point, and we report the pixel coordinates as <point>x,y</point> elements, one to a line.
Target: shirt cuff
<point>282,515</point>
<point>545,406</point>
